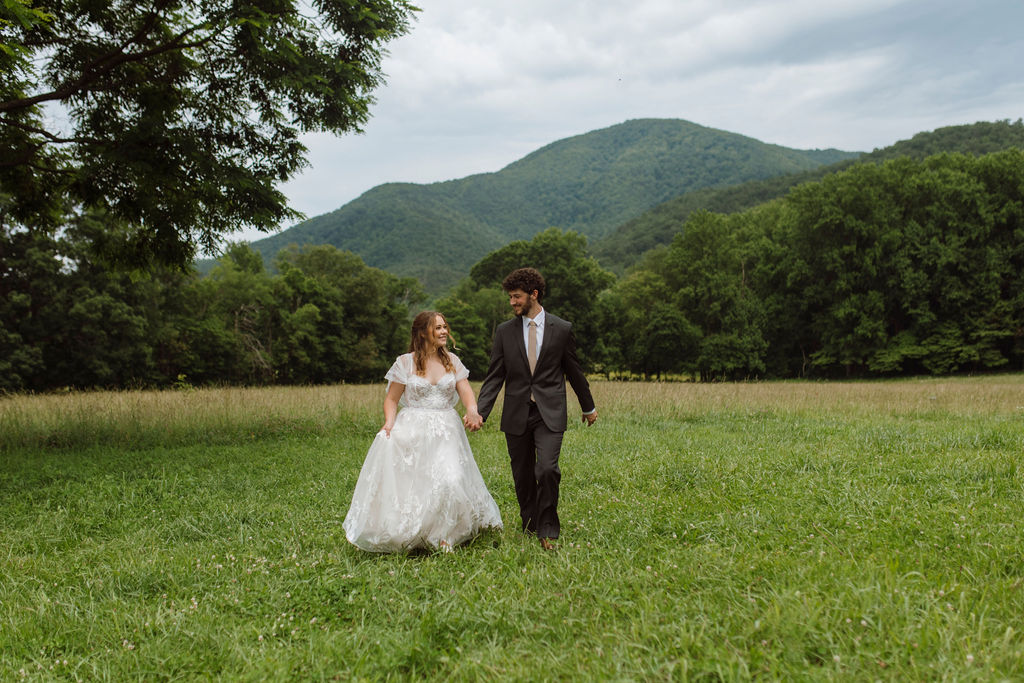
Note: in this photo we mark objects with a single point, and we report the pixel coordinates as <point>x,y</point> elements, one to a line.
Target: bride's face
<point>439,332</point>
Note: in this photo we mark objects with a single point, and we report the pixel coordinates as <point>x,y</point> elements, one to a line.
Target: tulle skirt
<point>420,487</point>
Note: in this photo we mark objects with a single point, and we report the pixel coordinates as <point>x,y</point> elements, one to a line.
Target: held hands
<point>472,420</point>
<point>590,418</point>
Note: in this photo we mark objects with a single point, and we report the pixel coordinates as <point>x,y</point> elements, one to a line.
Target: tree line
<point>905,267</point>
<point>70,318</point>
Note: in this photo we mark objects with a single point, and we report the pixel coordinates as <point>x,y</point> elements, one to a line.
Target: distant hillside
<point>589,183</point>
<point>621,248</point>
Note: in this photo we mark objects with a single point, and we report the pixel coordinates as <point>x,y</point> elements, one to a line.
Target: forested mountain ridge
<point>588,183</point>
<point>621,248</point>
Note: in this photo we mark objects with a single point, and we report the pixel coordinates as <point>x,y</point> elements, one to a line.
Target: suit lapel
<point>550,338</point>
<point>517,328</point>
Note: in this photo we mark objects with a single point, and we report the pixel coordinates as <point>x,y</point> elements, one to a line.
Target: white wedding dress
<point>420,487</point>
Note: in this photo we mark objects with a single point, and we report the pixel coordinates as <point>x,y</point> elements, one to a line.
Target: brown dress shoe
<point>547,544</point>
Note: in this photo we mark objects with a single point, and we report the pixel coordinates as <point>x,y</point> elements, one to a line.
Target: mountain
<point>589,183</point>
<point>624,245</point>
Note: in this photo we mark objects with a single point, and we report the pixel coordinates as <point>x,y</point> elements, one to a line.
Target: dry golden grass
<point>997,394</point>
<point>161,406</point>
<point>224,414</point>
<point>147,417</point>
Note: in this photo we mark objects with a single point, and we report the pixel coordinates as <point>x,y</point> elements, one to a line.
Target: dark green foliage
<point>587,184</point>
<point>706,268</point>
<point>180,117</point>
<point>894,268</point>
<point>984,137</point>
<point>914,266</point>
<point>622,247</point>
<point>70,319</point>
<point>337,317</point>
<point>399,224</point>
<point>624,312</point>
<point>476,306</point>
<point>28,287</point>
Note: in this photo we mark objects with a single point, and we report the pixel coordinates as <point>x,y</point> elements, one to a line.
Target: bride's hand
<point>472,420</point>
<point>388,426</point>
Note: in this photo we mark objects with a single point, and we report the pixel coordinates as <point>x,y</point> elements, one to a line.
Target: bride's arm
<point>391,406</point>
<point>472,420</point>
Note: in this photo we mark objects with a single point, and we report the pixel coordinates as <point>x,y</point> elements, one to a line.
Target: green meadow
<point>770,530</point>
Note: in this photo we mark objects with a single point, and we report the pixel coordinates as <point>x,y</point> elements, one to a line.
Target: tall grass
<point>144,419</point>
<point>710,532</point>
<point>195,416</point>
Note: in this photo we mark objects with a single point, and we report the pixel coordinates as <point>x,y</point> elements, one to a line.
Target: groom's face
<point>523,303</point>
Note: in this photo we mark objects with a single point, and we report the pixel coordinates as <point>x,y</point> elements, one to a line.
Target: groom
<point>532,355</point>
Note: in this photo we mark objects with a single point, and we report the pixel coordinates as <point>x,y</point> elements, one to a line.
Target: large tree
<point>179,117</point>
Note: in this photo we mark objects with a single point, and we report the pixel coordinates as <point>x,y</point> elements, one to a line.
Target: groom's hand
<point>590,418</point>
<point>472,421</point>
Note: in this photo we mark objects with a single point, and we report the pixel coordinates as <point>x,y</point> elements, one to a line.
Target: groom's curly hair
<point>526,279</point>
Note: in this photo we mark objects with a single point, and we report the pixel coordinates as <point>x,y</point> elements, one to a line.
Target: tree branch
<point>104,65</point>
<point>45,133</point>
<point>23,162</point>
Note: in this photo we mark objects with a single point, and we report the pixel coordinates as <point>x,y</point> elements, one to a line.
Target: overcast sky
<point>476,85</point>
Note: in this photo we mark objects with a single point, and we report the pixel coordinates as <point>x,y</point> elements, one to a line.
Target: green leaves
<point>68,318</point>
<point>21,12</point>
<point>179,118</point>
<point>904,267</point>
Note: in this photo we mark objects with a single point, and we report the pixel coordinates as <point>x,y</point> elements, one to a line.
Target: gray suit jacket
<point>509,366</point>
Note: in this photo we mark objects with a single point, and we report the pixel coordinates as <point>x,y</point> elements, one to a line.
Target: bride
<point>420,486</point>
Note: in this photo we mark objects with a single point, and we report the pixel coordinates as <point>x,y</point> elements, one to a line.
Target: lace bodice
<point>419,392</point>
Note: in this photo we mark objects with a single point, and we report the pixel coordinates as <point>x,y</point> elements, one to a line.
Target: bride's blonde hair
<point>421,345</point>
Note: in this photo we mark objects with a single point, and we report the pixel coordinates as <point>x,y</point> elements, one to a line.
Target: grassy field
<point>824,531</point>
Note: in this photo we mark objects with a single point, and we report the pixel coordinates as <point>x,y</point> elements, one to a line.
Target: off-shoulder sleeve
<point>400,370</point>
<point>461,371</point>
